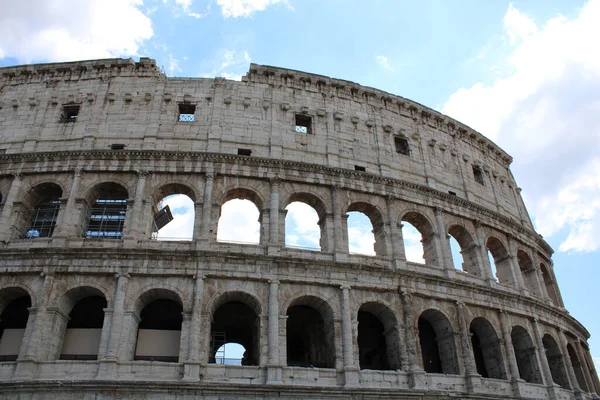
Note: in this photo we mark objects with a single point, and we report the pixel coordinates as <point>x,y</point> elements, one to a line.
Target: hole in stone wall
<point>303,124</point>
<point>302,227</point>
<point>239,222</point>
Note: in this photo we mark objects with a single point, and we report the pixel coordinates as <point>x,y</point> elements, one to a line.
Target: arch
<point>550,284</point>
<point>82,332</point>
<point>577,368</point>
<point>438,347</point>
<point>107,211</point>
<point>378,337</point>
<point>171,188</point>
<point>486,349</point>
<point>377,221</point>
<point>501,258</point>
<point>527,271</point>
<point>41,205</point>
<point>242,193</point>
<point>527,362</point>
<point>310,199</point>
<point>148,295</point>
<point>14,315</point>
<point>468,249</point>
<point>555,361</point>
<point>302,226</point>
<point>239,227</point>
<point>310,333</point>
<point>180,199</point>
<point>14,291</point>
<point>425,228</point>
<point>235,320</point>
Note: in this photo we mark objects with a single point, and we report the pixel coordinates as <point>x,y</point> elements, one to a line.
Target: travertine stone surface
<point>449,180</point>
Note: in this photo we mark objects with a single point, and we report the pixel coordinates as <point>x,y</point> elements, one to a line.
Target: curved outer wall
<point>364,150</point>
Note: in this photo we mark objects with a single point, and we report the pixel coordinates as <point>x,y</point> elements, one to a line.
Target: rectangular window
<point>451,193</point>
<point>401,144</point>
<point>244,152</point>
<point>70,113</point>
<point>478,174</point>
<point>187,112</point>
<point>359,168</point>
<point>117,146</point>
<point>303,124</point>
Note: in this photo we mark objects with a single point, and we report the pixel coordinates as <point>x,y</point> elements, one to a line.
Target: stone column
<point>197,220</point>
<point>485,260</point>
<point>473,378</point>
<point>108,364</point>
<point>562,341</point>
<point>416,372</point>
<point>350,370</point>
<point>7,217</point>
<point>67,218</point>
<point>340,245</point>
<point>192,364</point>
<point>274,369</point>
<point>589,380</point>
<point>446,254</point>
<point>135,223</point>
<point>274,246</point>
<point>513,367</point>
<point>207,208</point>
<point>514,262</point>
<point>398,252</point>
<point>546,373</point>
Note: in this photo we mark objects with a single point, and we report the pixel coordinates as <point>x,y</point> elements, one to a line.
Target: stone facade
<point>315,324</point>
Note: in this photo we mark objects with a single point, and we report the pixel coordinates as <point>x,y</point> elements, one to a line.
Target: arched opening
<point>230,354</point>
<point>438,348</point>
<point>173,213</point>
<point>366,233</point>
<point>378,339</point>
<point>13,321</point>
<point>41,206</point>
<point>486,349</point>
<point>555,362</point>
<point>106,216</point>
<point>577,367</point>
<point>529,369</point>
<point>419,239</point>
<point>302,227</point>
<point>236,322</point>
<point>501,261</point>
<point>82,336</point>
<point>159,331</point>
<point>310,334</point>
<point>468,250</point>
<point>240,219</point>
<point>550,284</point>
<point>528,271</point>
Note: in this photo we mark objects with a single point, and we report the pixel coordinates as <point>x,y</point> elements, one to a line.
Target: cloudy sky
<point>526,74</point>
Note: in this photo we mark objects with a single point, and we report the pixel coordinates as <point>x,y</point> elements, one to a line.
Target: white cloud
<point>360,234</point>
<point>302,228</point>
<point>543,111</point>
<point>239,222</point>
<point>58,30</point>
<point>413,248</point>
<point>173,64</point>
<point>384,62</point>
<point>186,7</point>
<point>231,64</point>
<point>245,8</point>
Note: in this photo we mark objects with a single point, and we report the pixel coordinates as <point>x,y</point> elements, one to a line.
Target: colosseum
<point>95,306</point>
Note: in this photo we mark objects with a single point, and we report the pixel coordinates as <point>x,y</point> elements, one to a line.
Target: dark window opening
<point>244,152</point>
<point>303,124</point>
<point>450,192</point>
<point>478,174</point>
<point>402,146</point>
<point>13,321</point>
<point>478,353</point>
<point>117,146</point>
<point>308,345</point>
<point>372,346</point>
<point>486,349</point>
<point>235,322</point>
<point>70,113</point>
<point>187,112</point>
<point>82,337</point>
<point>159,331</point>
<point>107,215</point>
<point>43,218</point>
<point>432,362</point>
<point>527,363</point>
<point>359,168</point>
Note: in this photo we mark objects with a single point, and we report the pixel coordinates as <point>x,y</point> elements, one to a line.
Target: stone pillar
<point>108,364</point>
<point>513,367</point>
<point>104,336</point>
<point>274,369</point>
<point>135,224</point>
<point>589,380</point>
<point>562,341</point>
<point>546,373</point>
<point>192,364</point>
<point>398,252</point>
<point>274,246</point>
<point>416,372</point>
<point>67,218</point>
<point>207,208</point>
<point>446,254</point>
<point>473,378</point>
<point>197,220</point>
<point>350,370</point>
<point>514,263</point>
<point>7,217</point>
<point>486,267</point>
<point>340,245</point>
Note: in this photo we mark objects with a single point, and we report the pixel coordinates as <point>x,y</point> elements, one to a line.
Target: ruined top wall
<point>351,126</point>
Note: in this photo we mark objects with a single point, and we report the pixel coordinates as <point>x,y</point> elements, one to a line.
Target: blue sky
<point>526,74</point>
